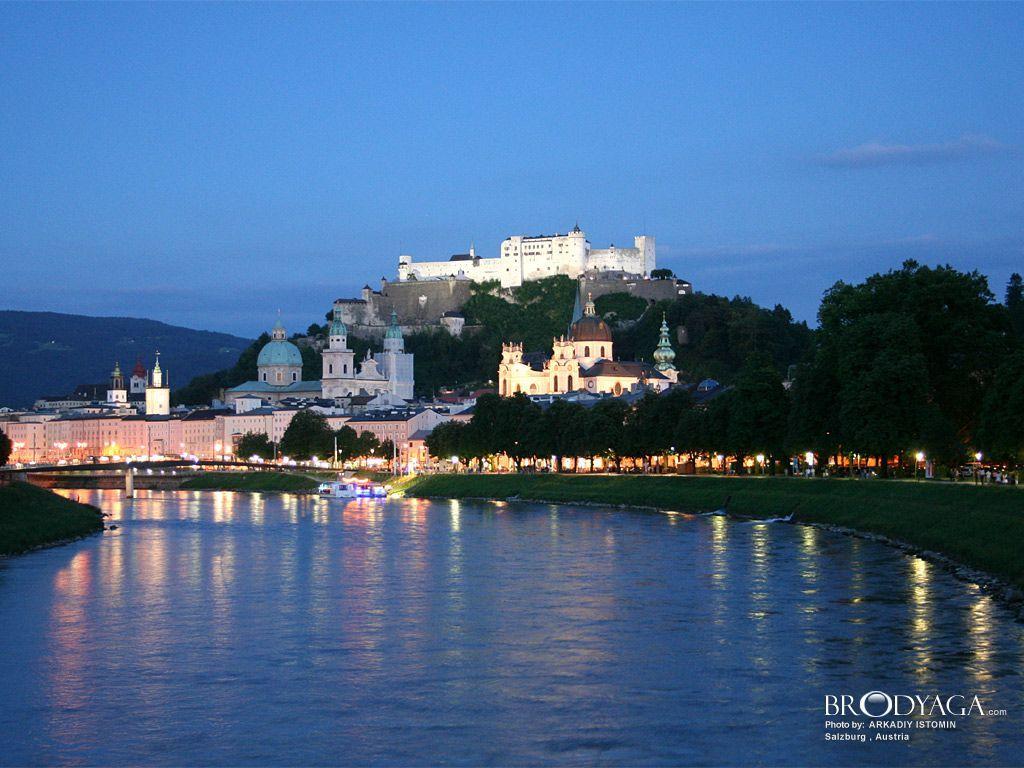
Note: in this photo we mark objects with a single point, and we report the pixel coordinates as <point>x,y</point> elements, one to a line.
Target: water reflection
<point>227,628</point>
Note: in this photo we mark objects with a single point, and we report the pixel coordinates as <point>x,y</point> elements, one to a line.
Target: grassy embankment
<point>978,526</point>
<point>251,481</point>
<point>32,517</point>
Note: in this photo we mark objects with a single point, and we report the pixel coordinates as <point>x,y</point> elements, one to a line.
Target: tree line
<point>916,360</point>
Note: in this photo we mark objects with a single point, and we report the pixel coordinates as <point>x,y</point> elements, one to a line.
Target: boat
<point>351,488</point>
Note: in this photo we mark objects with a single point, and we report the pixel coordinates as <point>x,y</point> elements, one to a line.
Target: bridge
<point>120,466</point>
<point>115,474</point>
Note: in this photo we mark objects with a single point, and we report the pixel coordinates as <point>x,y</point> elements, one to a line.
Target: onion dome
<point>138,371</point>
<point>117,370</point>
<point>664,354</point>
<point>590,327</point>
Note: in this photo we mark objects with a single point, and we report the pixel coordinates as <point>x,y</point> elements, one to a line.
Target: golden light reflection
<point>719,546</point>
<point>455,513</point>
<point>759,560</point>
<point>69,632</point>
<point>920,578</point>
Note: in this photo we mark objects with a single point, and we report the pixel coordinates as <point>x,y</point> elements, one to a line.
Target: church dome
<point>279,352</point>
<point>590,328</point>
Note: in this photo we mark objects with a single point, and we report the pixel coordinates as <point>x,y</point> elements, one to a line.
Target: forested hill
<point>712,335</point>
<point>47,353</point>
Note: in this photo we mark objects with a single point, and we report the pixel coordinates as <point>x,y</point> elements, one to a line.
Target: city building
<point>389,371</point>
<point>522,258</point>
<point>158,392</point>
<point>584,360</point>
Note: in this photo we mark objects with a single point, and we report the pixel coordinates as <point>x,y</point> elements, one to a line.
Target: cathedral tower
<point>117,392</point>
<point>158,393</point>
<point>338,359</point>
<point>396,364</point>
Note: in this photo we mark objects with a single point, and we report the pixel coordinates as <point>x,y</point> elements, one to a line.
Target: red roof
<point>138,370</point>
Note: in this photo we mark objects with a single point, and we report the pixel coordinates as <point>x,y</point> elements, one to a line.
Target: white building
<point>388,371</point>
<point>158,393</point>
<point>530,258</point>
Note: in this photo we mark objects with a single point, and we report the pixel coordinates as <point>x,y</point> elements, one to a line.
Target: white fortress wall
<point>531,258</point>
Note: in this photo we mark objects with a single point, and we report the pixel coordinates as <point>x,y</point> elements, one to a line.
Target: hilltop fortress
<point>432,293</point>
<point>524,258</point>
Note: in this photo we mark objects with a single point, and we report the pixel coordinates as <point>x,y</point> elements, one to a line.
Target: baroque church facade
<point>584,360</point>
<point>279,368</point>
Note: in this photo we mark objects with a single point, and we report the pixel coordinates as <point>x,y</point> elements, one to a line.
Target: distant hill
<point>47,353</point>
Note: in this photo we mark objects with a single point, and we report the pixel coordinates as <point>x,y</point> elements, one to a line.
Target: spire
<point>158,374</point>
<point>117,370</point>
<point>577,310</point>
<point>663,353</point>
<point>590,310</point>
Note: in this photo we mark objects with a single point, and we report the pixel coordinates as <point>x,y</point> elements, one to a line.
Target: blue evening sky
<point>208,164</point>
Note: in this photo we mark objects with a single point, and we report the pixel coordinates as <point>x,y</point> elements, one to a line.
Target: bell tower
<point>158,394</point>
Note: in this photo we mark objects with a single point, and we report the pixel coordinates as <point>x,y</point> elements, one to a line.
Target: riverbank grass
<point>281,482</point>
<point>978,526</point>
<point>31,517</point>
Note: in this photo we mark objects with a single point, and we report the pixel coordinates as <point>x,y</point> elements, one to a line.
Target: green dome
<point>393,332</point>
<point>279,352</point>
<point>338,328</point>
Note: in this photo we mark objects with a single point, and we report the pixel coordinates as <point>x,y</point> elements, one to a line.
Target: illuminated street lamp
<point>919,456</point>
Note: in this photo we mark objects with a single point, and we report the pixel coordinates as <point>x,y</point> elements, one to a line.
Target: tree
<point>955,328</point>
<point>759,411</point>
<point>561,432</point>
<point>367,444</point>
<point>5,448</point>
<point>348,443</point>
<point>814,414</point>
<point>308,435</point>
<point>884,389</point>
<point>255,444</point>
<point>1001,432</point>
<point>605,430</point>
<point>662,274</point>
<point>1015,304</point>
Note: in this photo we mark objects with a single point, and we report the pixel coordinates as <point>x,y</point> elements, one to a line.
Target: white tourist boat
<point>351,488</point>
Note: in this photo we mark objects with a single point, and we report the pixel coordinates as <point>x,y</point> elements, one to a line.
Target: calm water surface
<point>235,629</point>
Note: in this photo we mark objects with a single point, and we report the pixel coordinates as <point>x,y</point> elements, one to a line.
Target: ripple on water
<point>229,628</point>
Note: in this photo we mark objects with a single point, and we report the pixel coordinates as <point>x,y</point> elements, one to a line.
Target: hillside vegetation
<point>720,334</point>
<point>47,353</point>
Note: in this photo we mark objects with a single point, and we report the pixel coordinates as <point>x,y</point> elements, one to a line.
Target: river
<point>241,629</point>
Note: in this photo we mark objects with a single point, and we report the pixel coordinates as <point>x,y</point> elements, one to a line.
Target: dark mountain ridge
<point>50,353</point>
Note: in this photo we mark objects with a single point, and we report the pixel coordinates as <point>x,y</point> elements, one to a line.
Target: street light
<point>920,457</point>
